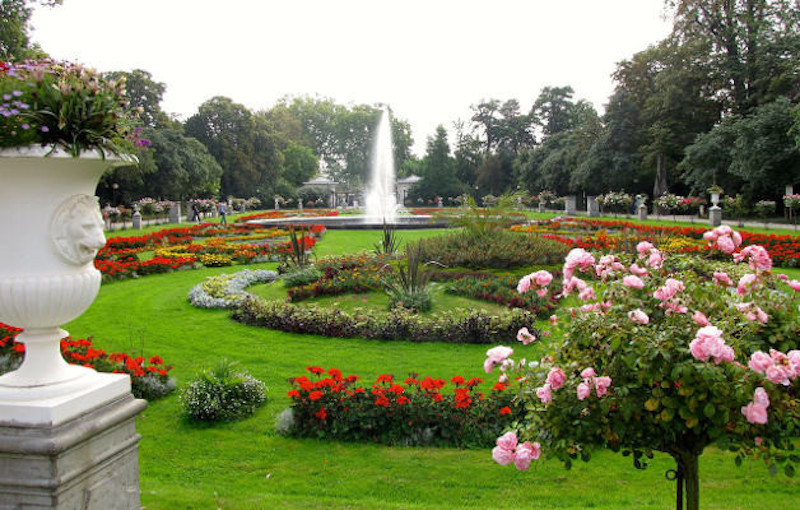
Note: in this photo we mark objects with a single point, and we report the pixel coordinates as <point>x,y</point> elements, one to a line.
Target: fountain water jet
<point>381,203</point>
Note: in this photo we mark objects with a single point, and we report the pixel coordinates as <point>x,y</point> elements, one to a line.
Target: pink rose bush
<point>665,353</point>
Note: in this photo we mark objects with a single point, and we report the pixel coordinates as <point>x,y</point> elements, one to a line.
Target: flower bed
<point>225,291</point>
<point>149,378</point>
<point>783,249</point>
<point>176,248</point>
<point>342,275</point>
<point>412,412</point>
<point>454,326</point>
<point>502,290</point>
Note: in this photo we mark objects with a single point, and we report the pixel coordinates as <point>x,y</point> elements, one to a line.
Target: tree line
<point>715,102</point>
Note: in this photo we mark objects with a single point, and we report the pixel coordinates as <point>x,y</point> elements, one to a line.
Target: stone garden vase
<point>51,229</point>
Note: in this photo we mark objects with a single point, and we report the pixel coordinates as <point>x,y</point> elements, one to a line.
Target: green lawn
<point>246,465</point>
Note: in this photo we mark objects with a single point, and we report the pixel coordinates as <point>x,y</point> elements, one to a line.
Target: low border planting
<point>150,378</point>
<point>410,413</point>
<point>455,326</point>
<point>226,290</point>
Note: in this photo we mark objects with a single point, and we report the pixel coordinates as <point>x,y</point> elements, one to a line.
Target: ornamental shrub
<point>224,393</point>
<point>502,250</point>
<point>667,354</point>
<point>412,412</point>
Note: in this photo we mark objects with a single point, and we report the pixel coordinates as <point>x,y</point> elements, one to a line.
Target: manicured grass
<point>246,465</point>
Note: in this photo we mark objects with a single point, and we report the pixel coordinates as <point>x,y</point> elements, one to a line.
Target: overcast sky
<point>428,59</point>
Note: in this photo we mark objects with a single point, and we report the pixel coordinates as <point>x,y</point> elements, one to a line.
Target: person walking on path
<point>195,212</point>
<point>223,211</point>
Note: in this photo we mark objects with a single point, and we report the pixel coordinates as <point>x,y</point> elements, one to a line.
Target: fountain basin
<point>402,222</point>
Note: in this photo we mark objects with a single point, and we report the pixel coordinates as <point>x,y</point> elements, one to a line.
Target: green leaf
<point>709,410</point>
<point>788,470</point>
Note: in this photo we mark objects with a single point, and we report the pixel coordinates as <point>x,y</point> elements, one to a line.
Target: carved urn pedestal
<point>67,433</point>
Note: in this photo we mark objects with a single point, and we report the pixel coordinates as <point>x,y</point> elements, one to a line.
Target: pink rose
<point>524,284</point>
<point>556,378</point>
<point>526,452</point>
<point>761,398</point>
<point>639,317</point>
<point>633,282</point>
<point>588,373</point>
<point>759,362</point>
<point>545,393</point>
<point>644,248</point>
<point>746,283</point>
<point>503,453</point>
<point>586,294</point>
<point>656,259</point>
<point>700,318</point>
<point>495,356</point>
<point>757,257</point>
<point>524,336</point>
<point>755,413</point>
<point>723,279</point>
<point>794,285</point>
<point>602,384</point>
<point>554,319</point>
<point>638,271</point>
<point>584,390</point>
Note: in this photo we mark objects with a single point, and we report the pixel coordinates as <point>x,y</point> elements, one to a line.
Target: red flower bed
<point>149,378</point>
<point>784,249</point>
<point>409,412</point>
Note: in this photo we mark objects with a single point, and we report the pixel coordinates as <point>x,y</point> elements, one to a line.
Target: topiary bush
<point>225,393</point>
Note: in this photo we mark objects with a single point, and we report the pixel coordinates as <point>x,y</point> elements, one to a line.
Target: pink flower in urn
<point>633,282</point>
<point>525,336</point>
<point>545,393</point>
<point>556,378</point>
<point>639,317</point>
<point>496,356</point>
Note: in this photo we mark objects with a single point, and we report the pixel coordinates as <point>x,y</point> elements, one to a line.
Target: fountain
<point>382,206</point>
<point>380,197</point>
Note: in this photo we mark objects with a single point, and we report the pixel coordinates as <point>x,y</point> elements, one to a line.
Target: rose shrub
<point>677,359</point>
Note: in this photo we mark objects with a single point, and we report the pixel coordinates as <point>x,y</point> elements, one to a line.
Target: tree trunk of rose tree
<point>688,473</point>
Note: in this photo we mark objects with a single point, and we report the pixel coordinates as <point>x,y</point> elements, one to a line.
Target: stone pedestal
<point>175,213</point>
<point>715,216</point>
<point>642,212</point>
<point>541,206</point>
<point>592,208</point>
<point>88,461</point>
<point>136,220</point>
<point>570,205</point>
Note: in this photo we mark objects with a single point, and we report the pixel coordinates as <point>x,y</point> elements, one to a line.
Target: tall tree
<point>754,46</point>
<point>244,145</point>
<point>145,95</point>
<point>438,170</point>
<point>553,111</point>
<point>15,16</point>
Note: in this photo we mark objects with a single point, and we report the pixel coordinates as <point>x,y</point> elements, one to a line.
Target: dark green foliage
<point>454,326</point>
<point>501,251</point>
<point>222,394</point>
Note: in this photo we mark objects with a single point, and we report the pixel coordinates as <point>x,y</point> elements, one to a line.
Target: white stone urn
<point>51,228</point>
